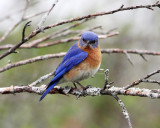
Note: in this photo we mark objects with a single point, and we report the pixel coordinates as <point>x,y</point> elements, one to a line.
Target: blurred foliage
<point>25,111</point>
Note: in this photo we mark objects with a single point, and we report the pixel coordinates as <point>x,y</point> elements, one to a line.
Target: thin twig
<point>35,44</point>
<point>31,60</point>
<point>12,50</point>
<point>131,51</point>
<point>128,58</point>
<point>142,79</point>
<point>43,19</point>
<point>24,30</point>
<point>124,110</point>
<point>55,35</point>
<point>151,81</point>
<point>57,55</point>
<point>41,79</point>
<point>37,31</point>
<point>18,23</point>
<point>102,13</point>
<point>15,25</point>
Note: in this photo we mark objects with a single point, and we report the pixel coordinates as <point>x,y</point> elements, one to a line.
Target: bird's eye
<point>84,40</point>
<point>92,42</point>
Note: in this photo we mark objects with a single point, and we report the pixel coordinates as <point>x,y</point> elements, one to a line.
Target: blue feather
<point>48,90</point>
<point>74,56</point>
<point>72,52</point>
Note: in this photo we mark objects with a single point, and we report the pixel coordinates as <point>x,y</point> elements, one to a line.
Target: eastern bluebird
<point>82,61</point>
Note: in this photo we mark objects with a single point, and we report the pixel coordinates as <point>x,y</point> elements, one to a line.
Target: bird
<point>81,62</point>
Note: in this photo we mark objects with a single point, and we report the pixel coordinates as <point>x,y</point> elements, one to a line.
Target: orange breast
<point>89,66</point>
<point>94,56</point>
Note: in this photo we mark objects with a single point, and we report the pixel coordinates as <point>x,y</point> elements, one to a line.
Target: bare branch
<point>49,56</point>
<point>33,15</point>
<point>45,16</point>
<point>54,35</point>
<point>12,50</point>
<point>37,31</point>
<point>124,110</point>
<point>103,13</point>
<point>128,57</point>
<point>24,30</point>
<point>130,51</point>
<point>15,25</point>
<point>151,81</point>
<point>31,60</point>
<point>41,79</point>
<point>92,91</point>
<point>35,43</point>
<point>142,79</point>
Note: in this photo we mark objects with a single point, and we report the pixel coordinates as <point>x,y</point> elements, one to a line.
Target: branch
<point>92,91</point>
<point>24,18</point>
<point>42,21</point>
<point>124,110</point>
<point>12,50</point>
<point>37,31</point>
<point>57,55</point>
<point>131,51</point>
<point>144,79</point>
<point>103,13</point>
<point>35,43</point>
<point>15,25</point>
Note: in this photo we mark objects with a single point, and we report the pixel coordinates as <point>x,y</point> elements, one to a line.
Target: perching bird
<point>82,61</point>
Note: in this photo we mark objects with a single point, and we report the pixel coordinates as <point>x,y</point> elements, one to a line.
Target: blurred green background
<point>139,29</point>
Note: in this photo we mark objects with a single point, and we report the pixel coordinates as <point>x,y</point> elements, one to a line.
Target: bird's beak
<point>87,42</point>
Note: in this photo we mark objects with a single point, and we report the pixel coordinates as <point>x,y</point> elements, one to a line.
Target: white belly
<point>80,74</point>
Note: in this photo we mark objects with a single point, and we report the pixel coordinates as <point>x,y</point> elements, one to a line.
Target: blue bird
<point>81,61</point>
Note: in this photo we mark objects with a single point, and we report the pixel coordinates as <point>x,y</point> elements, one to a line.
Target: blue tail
<point>48,90</point>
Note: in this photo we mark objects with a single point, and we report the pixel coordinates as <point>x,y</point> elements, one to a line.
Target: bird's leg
<point>74,84</point>
<point>81,85</point>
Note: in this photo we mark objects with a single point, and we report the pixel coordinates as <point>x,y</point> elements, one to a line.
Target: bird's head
<point>89,39</point>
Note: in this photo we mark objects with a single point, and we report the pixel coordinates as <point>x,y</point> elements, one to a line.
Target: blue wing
<point>74,56</point>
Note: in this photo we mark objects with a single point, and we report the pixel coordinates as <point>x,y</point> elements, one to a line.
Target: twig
<point>31,60</point>
<point>18,23</point>
<point>151,81</point>
<point>102,13</point>
<point>128,58</point>
<point>15,25</point>
<point>124,110</point>
<point>131,51</point>
<point>24,30</point>
<point>35,44</point>
<point>33,15</point>
<point>41,79</point>
<point>49,56</point>
<point>12,50</point>
<point>37,31</point>
<point>142,79</point>
<point>54,35</point>
<point>42,21</point>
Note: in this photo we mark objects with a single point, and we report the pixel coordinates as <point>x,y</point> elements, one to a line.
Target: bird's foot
<point>75,86</point>
<point>84,88</point>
